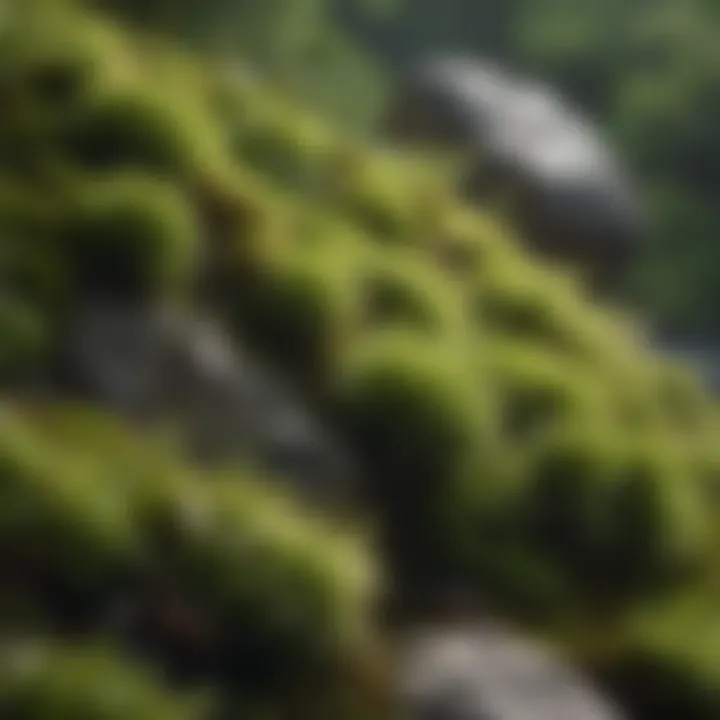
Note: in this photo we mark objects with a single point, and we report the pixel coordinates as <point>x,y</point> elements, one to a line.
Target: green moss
<point>299,309</point>
<point>511,433</point>
<point>470,245</point>
<point>540,389</point>
<point>291,152</point>
<point>64,525</point>
<point>391,199</point>
<point>131,232</point>
<point>411,407</point>
<point>400,289</point>
<point>562,514</point>
<point>658,526</point>
<point>41,680</point>
<point>56,54</point>
<point>137,130</point>
<point>667,665</point>
<point>23,336</point>
<point>271,582</point>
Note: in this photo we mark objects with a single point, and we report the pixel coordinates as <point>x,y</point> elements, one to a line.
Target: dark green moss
<point>132,130</point>
<point>131,235</point>
<point>41,680</point>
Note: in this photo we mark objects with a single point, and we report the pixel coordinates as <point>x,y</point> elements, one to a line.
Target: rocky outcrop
<point>571,195</point>
<point>486,672</point>
<point>161,368</point>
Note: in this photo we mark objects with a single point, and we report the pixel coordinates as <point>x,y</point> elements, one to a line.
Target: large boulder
<point>571,194</point>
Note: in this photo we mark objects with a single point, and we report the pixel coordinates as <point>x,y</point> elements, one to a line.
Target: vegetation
<point>646,72</point>
<point>514,438</point>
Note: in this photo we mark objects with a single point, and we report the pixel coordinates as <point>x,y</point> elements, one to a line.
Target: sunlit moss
<point>412,403</point>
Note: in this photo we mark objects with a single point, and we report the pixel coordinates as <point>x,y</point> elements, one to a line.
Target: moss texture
<point>511,434</point>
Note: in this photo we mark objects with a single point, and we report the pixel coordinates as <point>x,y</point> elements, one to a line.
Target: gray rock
<point>574,201</point>
<point>485,672</point>
<point>155,367</point>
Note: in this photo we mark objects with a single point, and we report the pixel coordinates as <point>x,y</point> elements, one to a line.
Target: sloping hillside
<point>512,440</point>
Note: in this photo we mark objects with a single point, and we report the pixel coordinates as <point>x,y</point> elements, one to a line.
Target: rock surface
<point>574,199</point>
<point>485,672</point>
<point>156,367</point>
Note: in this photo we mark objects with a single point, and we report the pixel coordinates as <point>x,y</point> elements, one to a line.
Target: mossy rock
<point>67,524</point>
<point>589,526</point>
<point>659,528</point>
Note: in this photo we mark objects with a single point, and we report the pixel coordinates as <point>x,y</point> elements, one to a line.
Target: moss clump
<point>540,389</point>
<point>409,406</point>
<point>131,234</point>
<point>667,664</point>
<point>295,153</point>
<point>408,400</point>
<point>401,290</point>
<point>278,596</point>
<point>297,310</point>
<point>133,130</point>
<point>42,679</point>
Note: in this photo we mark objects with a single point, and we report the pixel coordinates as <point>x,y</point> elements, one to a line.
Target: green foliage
<point>667,664</point>
<point>22,336</point>
<point>299,310</point>
<point>646,72</point>
<point>407,400</point>
<point>133,130</point>
<point>539,389</point>
<point>511,434</point>
<point>131,231</point>
<point>41,680</point>
<point>401,290</point>
<point>120,516</point>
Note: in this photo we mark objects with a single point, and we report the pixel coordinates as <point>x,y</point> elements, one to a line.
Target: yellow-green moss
<point>97,516</point>
<point>502,420</point>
